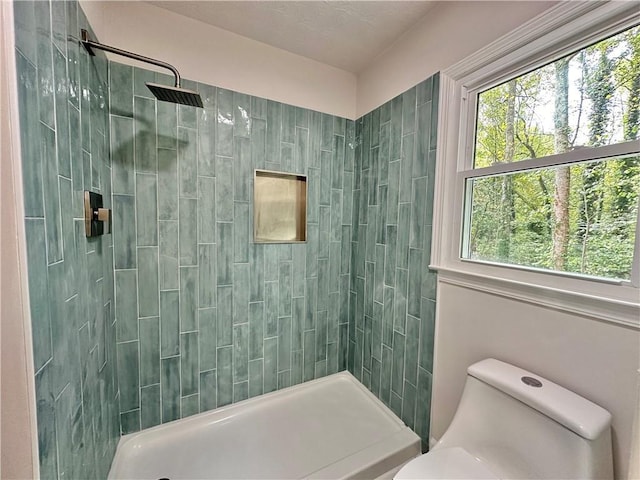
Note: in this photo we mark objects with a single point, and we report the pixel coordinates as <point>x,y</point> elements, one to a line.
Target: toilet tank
<point>524,426</point>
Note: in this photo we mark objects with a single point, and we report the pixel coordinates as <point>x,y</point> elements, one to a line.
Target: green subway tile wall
<point>205,317</point>
<point>178,311</point>
<point>63,101</point>
<point>392,289</point>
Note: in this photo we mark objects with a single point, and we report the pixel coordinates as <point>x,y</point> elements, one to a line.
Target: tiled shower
<point>178,311</point>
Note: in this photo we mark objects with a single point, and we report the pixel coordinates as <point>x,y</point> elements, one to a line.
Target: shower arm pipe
<point>89,45</point>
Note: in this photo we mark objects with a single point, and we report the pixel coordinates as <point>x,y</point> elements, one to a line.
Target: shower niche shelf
<point>279,207</point>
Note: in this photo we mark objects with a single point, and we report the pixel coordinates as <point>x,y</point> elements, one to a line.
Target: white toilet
<point>512,424</point>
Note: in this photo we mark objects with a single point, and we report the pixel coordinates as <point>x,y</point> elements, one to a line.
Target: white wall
<point>595,359</point>
<point>448,33</point>
<point>217,57</point>
<point>18,442</point>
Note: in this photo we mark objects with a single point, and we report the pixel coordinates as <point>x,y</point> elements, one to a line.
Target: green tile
<point>190,375</point>
<point>256,330</point>
<point>167,184</point>
<point>414,282</point>
<point>270,364</point>
<point>187,162</point>
<point>25,26</point>
<point>402,245</point>
<point>130,421</point>
<point>169,323</point>
<point>149,351</point>
<point>395,133</point>
<point>241,232</point>
<point>167,125</point>
<point>188,115</point>
<point>206,132</point>
<point>284,343</point>
<point>240,391</point>
<point>207,322</point>
<point>51,194</point>
<point>418,202</point>
<point>284,291</point>
<point>61,86</point>
<point>225,253</point>
<point>388,316</point>
<point>423,405</point>
<point>187,224</point>
<point>45,411</point>
<point>190,405</point>
<point>170,389</point>
<point>146,209</point>
<point>224,126</point>
<point>271,309</point>
<point>385,375</point>
<point>144,120</point>
<point>326,159</point>
<point>168,252</point>
<point>140,77</point>
<point>411,353</point>
<point>44,60</point>
<point>121,97</point>
<point>188,298</point>
<point>398,363</point>
<point>124,231</point>
<point>225,315</point>
<point>224,190</point>
<point>242,170</point>
<point>126,305</point>
<point>225,376</point>
<point>390,255</point>
<point>38,299</point>
<point>409,111</point>
<point>400,300</point>
<point>296,367</point>
<point>241,114</point>
<point>255,377</point>
<point>150,405</point>
<point>375,377</point>
<point>240,293</point>
<point>301,155</point>
<point>128,375</point>
<point>258,108</point>
<point>427,320</point>
<point>208,390</point>
<point>206,210</point>
<point>409,404</point>
<point>256,279</point>
<point>258,144</point>
<point>309,357</point>
<point>32,162</point>
<point>207,276</point>
<point>240,352</point>
<point>148,286</point>
<point>122,155</point>
<point>433,134</point>
<point>274,117</point>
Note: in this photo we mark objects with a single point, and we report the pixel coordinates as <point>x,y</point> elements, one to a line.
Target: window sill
<point>602,308</point>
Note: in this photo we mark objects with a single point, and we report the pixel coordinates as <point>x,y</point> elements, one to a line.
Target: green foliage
<point>512,218</point>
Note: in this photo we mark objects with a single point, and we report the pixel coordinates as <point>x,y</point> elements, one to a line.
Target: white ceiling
<point>345,34</point>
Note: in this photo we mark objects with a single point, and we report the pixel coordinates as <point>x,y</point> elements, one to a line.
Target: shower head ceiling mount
<point>165,93</point>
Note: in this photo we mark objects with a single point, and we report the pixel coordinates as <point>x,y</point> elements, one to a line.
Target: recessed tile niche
<point>279,207</point>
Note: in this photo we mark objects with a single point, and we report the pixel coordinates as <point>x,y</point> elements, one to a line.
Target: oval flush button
<point>532,382</point>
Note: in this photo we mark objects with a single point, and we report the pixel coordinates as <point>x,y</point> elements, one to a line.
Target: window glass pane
<point>579,218</point>
<point>590,98</point>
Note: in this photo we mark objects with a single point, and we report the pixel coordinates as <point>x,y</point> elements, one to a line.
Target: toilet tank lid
<point>578,414</point>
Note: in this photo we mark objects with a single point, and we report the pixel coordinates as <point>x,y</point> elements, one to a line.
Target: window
<point>538,183</point>
<point>543,192</point>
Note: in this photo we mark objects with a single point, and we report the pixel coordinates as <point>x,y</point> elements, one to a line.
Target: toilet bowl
<point>511,423</point>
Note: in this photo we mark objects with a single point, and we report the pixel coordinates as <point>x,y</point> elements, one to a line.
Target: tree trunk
<point>506,194</point>
<point>562,175</point>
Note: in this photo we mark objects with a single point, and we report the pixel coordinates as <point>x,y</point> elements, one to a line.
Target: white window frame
<point>563,28</point>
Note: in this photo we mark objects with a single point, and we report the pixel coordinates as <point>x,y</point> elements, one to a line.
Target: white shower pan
<point>330,428</point>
